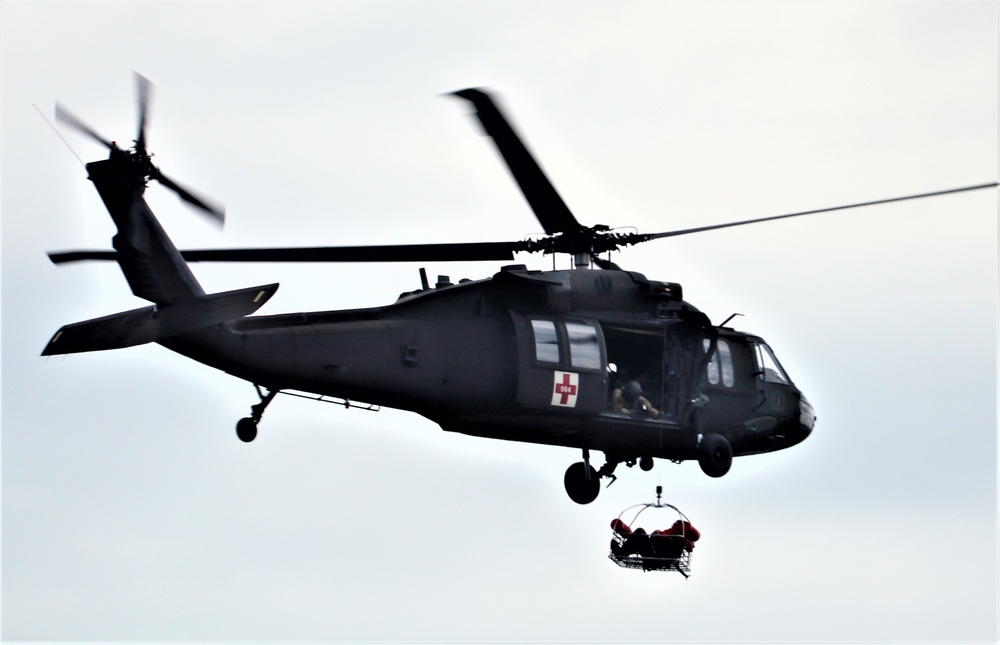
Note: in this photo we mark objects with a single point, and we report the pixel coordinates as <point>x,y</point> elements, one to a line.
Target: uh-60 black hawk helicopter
<point>596,358</point>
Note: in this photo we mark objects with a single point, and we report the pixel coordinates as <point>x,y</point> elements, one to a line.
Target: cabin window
<point>584,348</point>
<point>773,373</point>
<point>546,341</point>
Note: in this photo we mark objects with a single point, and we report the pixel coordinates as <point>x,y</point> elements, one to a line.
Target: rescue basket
<point>667,548</point>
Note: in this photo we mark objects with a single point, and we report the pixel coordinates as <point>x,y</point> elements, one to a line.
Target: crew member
<point>629,400</point>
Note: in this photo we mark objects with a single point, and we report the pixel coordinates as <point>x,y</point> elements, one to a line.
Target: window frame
<point>776,374</point>
<point>578,354</point>
<point>719,370</point>
<point>540,344</point>
<point>566,357</point>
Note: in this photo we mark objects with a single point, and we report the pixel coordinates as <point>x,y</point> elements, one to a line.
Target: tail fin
<point>151,263</point>
<point>156,323</point>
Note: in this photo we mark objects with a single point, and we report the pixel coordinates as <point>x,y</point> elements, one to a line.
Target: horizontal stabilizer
<point>156,323</point>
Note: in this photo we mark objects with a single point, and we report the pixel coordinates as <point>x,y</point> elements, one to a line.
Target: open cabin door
<point>662,358</point>
<point>562,364</point>
<point>639,355</point>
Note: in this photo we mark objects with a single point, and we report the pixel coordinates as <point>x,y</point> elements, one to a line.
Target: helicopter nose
<point>807,416</point>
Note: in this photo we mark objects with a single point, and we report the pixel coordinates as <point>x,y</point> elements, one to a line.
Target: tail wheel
<point>246,429</point>
<point>715,455</point>
<point>582,483</point>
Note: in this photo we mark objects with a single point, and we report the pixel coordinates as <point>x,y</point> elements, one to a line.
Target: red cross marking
<point>566,389</point>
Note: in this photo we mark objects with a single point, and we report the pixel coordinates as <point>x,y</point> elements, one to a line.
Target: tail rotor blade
<point>216,213</point>
<point>67,118</point>
<point>144,89</point>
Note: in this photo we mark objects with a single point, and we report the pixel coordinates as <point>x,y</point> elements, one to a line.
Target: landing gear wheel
<point>246,429</point>
<point>582,486</point>
<point>646,463</point>
<point>715,455</point>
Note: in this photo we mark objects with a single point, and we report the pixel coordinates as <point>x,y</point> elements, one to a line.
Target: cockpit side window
<point>584,347</point>
<point>726,359</point>
<point>712,369</point>
<point>769,365</point>
<point>720,365</point>
<point>546,341</point>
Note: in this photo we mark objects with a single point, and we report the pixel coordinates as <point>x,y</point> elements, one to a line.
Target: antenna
<point>723,323</point>
<point>59,134</point>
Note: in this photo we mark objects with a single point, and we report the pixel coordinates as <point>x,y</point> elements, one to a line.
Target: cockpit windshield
<point>769,365</point>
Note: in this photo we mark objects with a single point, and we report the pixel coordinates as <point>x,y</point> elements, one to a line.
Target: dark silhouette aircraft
<point>596,358</point>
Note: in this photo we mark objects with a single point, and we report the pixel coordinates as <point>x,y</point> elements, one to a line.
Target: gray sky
<point>130,509</point>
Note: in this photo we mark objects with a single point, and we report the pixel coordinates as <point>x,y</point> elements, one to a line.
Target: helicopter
<point>593,358</point>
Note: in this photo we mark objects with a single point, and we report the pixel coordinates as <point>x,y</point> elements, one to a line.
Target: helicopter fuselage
<point>532,356</point>
<point>598,360</point>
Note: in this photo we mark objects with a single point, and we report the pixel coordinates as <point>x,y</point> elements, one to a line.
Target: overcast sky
<point>130,509</point>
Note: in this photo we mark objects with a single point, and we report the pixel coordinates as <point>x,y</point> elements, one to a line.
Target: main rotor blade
<point>643,237</point>
<point>607,265</point>
<point>549,208</point>
<point>217,213</point>
<point>144,89</point>
<point>458,252</point>
<point>66,117</point>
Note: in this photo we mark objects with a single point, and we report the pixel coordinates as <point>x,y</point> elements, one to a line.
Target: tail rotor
<point>139,155</point>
